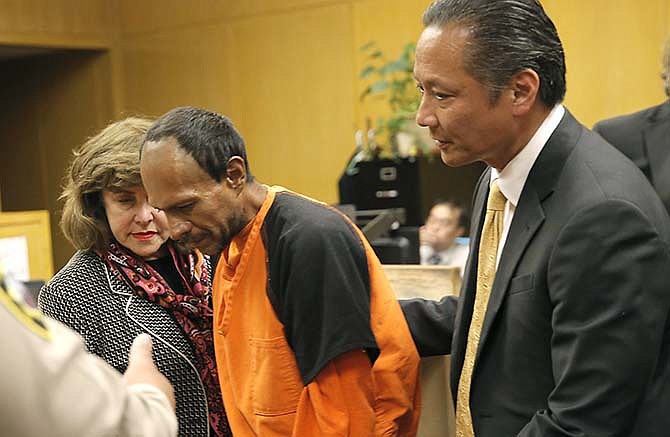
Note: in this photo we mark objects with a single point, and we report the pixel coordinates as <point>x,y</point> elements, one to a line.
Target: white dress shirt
<point>454,255</point>
<point>512,178</point>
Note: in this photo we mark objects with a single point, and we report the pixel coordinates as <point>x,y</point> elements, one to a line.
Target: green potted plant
<point>393,80</point>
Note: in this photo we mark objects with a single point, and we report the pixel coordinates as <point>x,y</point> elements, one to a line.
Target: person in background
<point>644,137</point>
<point>561,328</point>
<point>310,340</point>
<point>128,278</point>
<point>51,386</point>
<point>446,222</point>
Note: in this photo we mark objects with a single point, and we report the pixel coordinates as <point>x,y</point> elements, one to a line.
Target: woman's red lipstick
<point>147,235</point>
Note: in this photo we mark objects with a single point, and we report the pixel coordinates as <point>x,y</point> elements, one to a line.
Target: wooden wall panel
<point>292,96</point>
<point>264,7</point>
<point>287,71</point>
<point>49,106</point>
<point>79,99</point>
<point>391,24</point>
<point>22,173</point>
<point>51,102</point>
<point>613,52</point>
<point>183,66</point>
<point>56,23</point>
<point>149,16</point>
<point>285,79</point>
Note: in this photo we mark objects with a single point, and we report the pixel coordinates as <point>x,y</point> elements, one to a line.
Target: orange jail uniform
<point>309,337</point>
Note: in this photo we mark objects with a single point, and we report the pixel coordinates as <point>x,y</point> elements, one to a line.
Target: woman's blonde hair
<point>109,160</point>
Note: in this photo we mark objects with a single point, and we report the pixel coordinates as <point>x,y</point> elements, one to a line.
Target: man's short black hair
<point>210,138</point>
<point>463,214</point>
<point>506,37</point>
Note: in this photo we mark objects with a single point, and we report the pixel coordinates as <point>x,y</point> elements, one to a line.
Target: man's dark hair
<point>506,37</point>
<point>210,138</point>
<point>463,215</point>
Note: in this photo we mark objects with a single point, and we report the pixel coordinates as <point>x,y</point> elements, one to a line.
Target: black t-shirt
<point>318,282</point>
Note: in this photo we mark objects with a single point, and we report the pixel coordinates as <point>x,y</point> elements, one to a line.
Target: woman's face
<point>134,223</point>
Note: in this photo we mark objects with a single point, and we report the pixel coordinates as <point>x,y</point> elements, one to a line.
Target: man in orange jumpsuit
<point>309,338</point>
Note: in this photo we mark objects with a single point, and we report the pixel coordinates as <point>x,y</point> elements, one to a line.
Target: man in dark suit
<point>562,329</point>
<point>644,137</point>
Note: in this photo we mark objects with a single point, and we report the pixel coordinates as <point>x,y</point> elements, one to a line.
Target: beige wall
<point>613,53</point>
<point>286,72</point>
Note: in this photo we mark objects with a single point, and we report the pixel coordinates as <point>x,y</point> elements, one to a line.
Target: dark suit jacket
<point>644,137</point>
<point>575,341</point>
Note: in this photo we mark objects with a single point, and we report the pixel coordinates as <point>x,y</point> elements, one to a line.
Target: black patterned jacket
<point>85,296</point>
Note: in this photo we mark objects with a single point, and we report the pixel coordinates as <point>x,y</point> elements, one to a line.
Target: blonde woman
<point>128,277</point>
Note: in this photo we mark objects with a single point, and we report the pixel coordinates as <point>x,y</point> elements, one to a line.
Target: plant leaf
<point>365,92</point>
<point>367,71</point>
<point>395,66</point>
<point>367,46</point>
<point>378,87</point>
<point>408,50</point>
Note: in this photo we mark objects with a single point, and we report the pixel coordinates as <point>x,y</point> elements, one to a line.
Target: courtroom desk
<point>430,282</point>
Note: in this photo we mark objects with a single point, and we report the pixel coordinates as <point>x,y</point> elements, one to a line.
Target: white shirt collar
<point>513,177</point>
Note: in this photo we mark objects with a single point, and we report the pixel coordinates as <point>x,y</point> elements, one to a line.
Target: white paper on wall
<point>14,257</point>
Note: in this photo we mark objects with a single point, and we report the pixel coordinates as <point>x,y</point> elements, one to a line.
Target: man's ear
<point>525,86</point>
<point>236,173</point>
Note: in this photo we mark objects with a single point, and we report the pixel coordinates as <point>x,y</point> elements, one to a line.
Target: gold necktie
<point>486,270</point>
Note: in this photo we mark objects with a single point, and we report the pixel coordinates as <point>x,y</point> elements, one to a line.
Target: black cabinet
<point>409,183</point>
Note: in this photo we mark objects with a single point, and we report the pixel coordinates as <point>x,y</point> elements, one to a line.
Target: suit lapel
<point>115,284</point>
<point>527,219</point>
<point>657,142</point>
<point>529,214</point>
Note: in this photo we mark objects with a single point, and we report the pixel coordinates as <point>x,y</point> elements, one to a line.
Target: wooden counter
<point>430,282</point>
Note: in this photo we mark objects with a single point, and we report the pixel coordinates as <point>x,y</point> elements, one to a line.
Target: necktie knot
<point>496,200</point>
<point>435,259</point>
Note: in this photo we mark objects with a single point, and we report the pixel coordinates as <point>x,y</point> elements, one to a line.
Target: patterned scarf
<point>192,310</point>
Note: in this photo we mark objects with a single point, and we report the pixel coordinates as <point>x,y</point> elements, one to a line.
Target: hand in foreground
<point>143,370</point>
